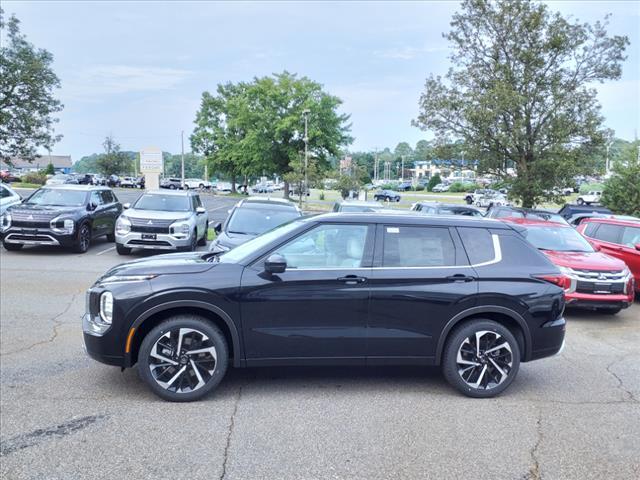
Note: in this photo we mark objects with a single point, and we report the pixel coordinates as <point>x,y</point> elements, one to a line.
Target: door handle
<point>460,277</point>
<point>352,279</point>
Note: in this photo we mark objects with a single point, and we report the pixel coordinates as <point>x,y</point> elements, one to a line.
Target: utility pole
<point>182,148</point>
<point>402,169</point>
<point>305,113</point>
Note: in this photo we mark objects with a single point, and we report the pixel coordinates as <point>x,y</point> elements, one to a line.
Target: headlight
<point>5,221</point>
<point>62,225</point>
<point>126,278</point>
<point>123,225</point>
<point>566,271</point>
<point>180,228</point>
<point>106,307</point>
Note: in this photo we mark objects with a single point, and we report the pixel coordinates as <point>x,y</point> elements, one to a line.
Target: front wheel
<point>481,358</point>
<point>580,201</point>
<point>84,239</point>
<point>183,358</point>
<point>172,187</point>
<point>122,250</point>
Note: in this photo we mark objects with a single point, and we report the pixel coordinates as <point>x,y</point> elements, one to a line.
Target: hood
<point>232,240</point>
<point>54,210</point>
<point>156,214</point>
<point>171,263</point>
<point>584,260</point>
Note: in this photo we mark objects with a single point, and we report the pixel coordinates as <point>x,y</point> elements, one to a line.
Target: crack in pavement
<point>225,457</point>
<point>31,439</point>
<point>621,385</point>
<point>534,472</point>
<point>56,324</point>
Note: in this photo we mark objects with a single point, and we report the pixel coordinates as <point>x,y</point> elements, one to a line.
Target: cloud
<point>102,80</point>
<point>408,53</point>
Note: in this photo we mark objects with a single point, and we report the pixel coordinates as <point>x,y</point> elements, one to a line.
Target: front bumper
<point>162,241</point>
<point>37,236</point>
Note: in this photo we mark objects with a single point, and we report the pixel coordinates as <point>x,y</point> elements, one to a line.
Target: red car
<point>590,278</point>
<point>618,238</point>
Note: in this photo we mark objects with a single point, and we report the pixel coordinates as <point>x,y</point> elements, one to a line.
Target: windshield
<point>254,221</point>
<point>561,239</point>
<point>359,208</point>
<point>61,198</point>
<point>165,203</point>
<point>255,244</point>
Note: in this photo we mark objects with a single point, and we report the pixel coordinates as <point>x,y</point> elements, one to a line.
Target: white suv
<point>589,198</point>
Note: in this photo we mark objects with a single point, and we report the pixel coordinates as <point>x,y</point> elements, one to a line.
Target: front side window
<point>608,233</point>
<point>327,246</point>
<point>96,198</point>
<point>631,236</point>
<point>417,247</point>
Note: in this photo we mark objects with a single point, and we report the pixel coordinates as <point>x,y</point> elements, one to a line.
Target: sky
<point>137,70</point>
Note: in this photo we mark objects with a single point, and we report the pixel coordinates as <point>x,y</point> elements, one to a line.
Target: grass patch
<point>24,185</point>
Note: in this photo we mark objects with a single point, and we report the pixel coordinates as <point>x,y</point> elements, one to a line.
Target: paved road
<point>64,416</point>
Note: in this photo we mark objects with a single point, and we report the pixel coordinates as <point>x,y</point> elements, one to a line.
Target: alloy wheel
<point>484,360</point>
<point>85,238</point>
<point>183,360</point>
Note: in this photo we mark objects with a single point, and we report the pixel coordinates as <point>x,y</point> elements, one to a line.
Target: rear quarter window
<point>590,229</point>
<point>478,243</point>
<point>518,252</point>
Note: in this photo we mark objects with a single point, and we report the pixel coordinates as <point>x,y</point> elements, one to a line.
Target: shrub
<point>433,181</point>
<point>462,187</point>
<point>37,178</point>
<point>49,170</point>
<point>419,188</point>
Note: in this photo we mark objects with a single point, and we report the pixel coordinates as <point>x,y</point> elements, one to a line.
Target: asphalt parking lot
<point>63,415</point>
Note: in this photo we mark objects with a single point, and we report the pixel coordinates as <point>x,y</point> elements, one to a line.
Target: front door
<point>421,278</point>
<point>317,309</point>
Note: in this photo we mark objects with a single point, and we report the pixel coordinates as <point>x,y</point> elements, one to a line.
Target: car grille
<point>600,275</point>
<point>156,226</point>
<point>32,219</point>
<point>595,287</point>
<point>600,281</point>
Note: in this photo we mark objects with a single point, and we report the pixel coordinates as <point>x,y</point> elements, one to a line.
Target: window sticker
<point>393,230</point>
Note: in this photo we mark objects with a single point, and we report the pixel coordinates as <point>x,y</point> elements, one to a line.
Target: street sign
<point>151,160</point>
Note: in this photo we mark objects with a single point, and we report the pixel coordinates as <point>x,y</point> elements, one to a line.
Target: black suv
<point>61,215</point>
<point>471,295</point>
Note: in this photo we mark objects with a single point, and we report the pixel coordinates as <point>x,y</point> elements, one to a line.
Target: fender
<point>485,309</point>
<point>238,360</point>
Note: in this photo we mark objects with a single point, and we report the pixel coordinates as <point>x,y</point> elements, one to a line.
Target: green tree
<point>113,160</point>
<point>49,170</point>
<point>27,104</point>
<point>621,191</point>
<point>423,151</point>
<point>433,181</point>
<point>520,90</point>
<point>296,176</point>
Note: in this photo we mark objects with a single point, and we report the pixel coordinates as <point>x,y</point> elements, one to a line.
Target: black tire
<point>12,247</point>
<point>468,200</point>
<point>484,370</point>
<point>211,378</point>
<point>609,311</point>
<point>580,201</point>
<point>193,245</point>
<point>84,239</point>
<point>201,186</point>
<point>111,237</point>
<point>122,250</point>
<point>397,199</point>
<point>172,187</point>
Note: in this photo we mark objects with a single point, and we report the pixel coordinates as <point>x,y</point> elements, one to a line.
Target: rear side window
<point>608,233</point>
<point>417,247</point>
<point>631,236</point>
<point>478,244</point>
<point>107,197</point>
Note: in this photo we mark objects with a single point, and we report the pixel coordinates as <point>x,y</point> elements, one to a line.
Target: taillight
<point>561,281</point>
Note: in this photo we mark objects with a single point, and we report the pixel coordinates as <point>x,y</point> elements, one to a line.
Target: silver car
<point>8,197</point>
<point>162,220</point>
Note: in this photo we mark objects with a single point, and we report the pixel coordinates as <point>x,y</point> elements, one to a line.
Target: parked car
<point>404,186</point>
<point>62,179</point>
<point>325,290</point>
<point>352,206</point>
<point>8,176</point>
<point>251,217</point>
<point>441,187</point>
<point>262,188</point>
<point>492,199</point>
<point>99,180</point>
<point>161,220</point>
<point>575,214</point>
<point>387,196</point>
<point>437,208</point>
<point>530,213</point>
<point>223,187</point>
<point>591,197</point>
<point>197,183</point>
<point>8,197</point>
<point>84,178</point>
<point>591,279</point>
<point>140,182</point>
<point>618,238</point>
<point>471,198</point>
<point>128,182</point>
<point>61,215</point>
<point>171,183</point>
<point>113,181</point>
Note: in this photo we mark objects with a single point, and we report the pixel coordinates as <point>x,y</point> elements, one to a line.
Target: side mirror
<point>637,246</point>
<point>200,210</point>
<point>217,227</point>
<point>92,206</point>
<point>126,206</point>
<point>276,263</point>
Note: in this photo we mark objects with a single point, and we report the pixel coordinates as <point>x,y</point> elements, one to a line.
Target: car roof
<point>359,203</point>
<point>71,186</point>
<point>447,205</point>
<point>630,222</point>
<point>410,218</point>
<point>267,201</point>
<point>530,222</point>
<point>175,193</point>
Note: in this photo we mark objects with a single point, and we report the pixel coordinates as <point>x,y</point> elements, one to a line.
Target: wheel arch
<point>153,316</point>
<point>503,315</point>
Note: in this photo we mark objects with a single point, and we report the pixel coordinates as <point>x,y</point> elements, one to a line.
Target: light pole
<point>305,114</point>
<point>182,155</point>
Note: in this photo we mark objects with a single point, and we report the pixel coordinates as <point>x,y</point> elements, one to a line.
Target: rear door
<point>420,280</point>
<point>609,237</point>
<point>99,225</point>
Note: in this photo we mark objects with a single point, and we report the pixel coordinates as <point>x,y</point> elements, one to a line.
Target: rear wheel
<point>12,247</point>
<point>481,358</point>
<point>122,250</point>
<point>172,187</point>
<point>84,239</point>
<point>580,201</point>
<point>183,358</point>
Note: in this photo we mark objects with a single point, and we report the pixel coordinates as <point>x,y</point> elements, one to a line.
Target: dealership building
<point>61,164</point>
